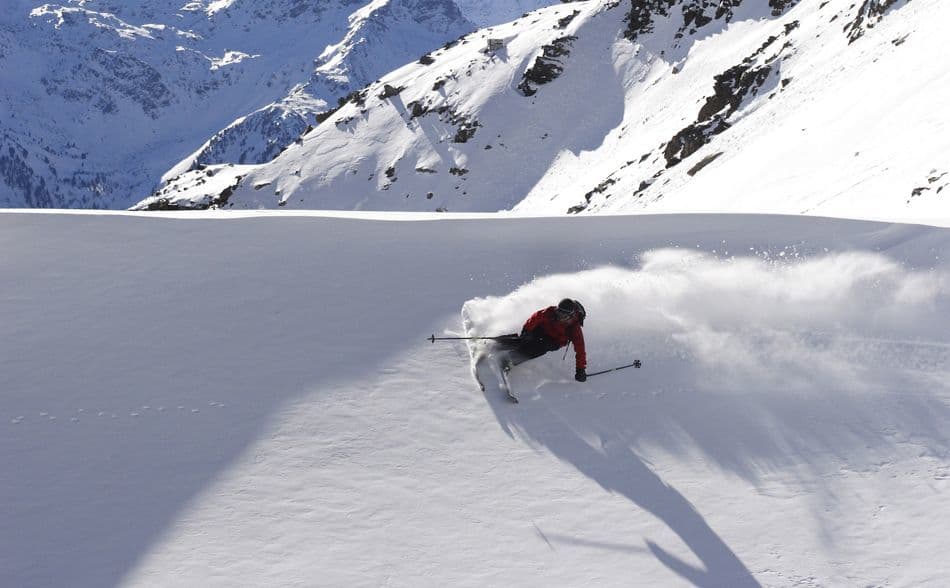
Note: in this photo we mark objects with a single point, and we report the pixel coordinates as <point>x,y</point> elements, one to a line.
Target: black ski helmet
<point>574,307</point>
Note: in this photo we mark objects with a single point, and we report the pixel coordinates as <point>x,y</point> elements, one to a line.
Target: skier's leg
<point>528,348</point>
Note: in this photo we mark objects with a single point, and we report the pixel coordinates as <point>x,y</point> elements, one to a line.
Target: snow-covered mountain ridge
<point>98,99</point>
<point>823,107</point>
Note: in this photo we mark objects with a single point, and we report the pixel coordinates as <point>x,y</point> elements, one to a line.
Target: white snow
<point>486,14</point>
<point>837,127</point>
<point>229,58</point>
<point>249,400</point>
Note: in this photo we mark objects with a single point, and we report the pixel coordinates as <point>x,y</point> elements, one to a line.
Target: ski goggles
<point>566,315</point>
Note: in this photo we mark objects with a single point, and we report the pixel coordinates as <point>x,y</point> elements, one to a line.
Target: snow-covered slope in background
<point>383,35</point>
<point>228,401</point>
<point>98,99</point>
<point>823,107</point>
<point>486,13</point>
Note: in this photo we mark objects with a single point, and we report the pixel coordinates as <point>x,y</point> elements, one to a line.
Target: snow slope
<point>800,107</point>
<point>239,399</point>
<point>486,14</point>
<point>380,36</point>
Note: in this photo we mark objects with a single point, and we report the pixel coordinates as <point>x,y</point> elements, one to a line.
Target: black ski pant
<point>527,346</point>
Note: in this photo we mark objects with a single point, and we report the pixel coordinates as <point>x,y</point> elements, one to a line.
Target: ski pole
<point>635,364</point>
<point>433,338</point>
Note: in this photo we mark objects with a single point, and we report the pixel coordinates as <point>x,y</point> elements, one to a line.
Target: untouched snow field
<point>251,401</point>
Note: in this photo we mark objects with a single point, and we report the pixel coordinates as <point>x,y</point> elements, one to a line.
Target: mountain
<point>381,36</point>
<point>98,99</point>
<point>817,106</point>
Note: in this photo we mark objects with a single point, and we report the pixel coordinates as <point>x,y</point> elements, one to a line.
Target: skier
<point>547,330</point>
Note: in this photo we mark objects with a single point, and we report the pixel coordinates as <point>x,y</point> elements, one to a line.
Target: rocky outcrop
<point>256,138</point>
<point>547,66</point>
<point>696,14</point>
<point>780,6</point>
<point>731,89</point>
<point>937,181</point>
<point>869,14</point>
<point>18,175</point>
<point>641,16</point>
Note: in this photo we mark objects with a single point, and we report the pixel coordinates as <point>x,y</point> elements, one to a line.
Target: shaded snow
<point>230,399</point>
<point>486,14</point>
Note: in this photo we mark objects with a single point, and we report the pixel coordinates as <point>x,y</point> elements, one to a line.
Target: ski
<point>505,384</point>
<point>488,365</point>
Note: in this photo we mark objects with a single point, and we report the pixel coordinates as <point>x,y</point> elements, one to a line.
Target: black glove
<point>580,375</point>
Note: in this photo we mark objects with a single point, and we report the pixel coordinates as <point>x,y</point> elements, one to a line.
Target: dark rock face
<point>869,14</point>
<point>937,181</point>
<point>465,131</point>
<point>416,109</point>
<point>16,172</point>
<point>30,172</point>
<point>356,97</point>
<point>599,189</point>
<point>691,139</point>
<point>211,201</point>
<point>642,13</point>
<point>106,76</point>
<point>562,23</point>
<point>547,67</point>
<point>466,126</point>
<point>779,7</point>
<point>259,138</point>
<point>696,14</point>
<point>577,208</point>
<point>730,89</point>
<point>390,91</point>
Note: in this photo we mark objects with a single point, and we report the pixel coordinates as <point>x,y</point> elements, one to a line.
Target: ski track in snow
<point>253,402</point>
<point>90,415</point>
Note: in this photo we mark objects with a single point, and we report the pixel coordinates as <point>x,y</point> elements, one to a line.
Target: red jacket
<point>545,323</point>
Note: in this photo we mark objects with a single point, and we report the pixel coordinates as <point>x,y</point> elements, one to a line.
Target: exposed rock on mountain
<point>547,66</point>
<point>869,14</point>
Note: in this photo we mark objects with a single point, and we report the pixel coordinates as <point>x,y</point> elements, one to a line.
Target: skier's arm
<point>580,352</point>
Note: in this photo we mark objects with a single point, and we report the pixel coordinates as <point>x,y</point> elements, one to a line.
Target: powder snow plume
<point>850,320</point>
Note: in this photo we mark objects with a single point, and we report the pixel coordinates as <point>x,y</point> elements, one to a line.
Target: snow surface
<point>238,400</point>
